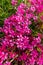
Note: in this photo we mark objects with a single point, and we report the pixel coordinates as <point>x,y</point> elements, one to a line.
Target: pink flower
<point>23,57</point>
<point>12,55</point>
<point>21,9</point>
<point>32,9</point>
<point>18,35</point>
<point>41,18</point>
<point>40,60</point>
<point>40,35</point>
<point>7,63</point>
<point>13,2</point>
<point>38,39</point>
<point>32,61</point>
<point>0,63</point>
<point>22,42</point>
<point>3,56</point>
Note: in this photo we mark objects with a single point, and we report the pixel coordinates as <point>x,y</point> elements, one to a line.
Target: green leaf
<point>19,1</point>
<point>1,34</point>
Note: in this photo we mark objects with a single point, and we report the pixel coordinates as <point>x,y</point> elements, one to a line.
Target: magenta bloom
<point>21,41</point>
<point>13,2</point>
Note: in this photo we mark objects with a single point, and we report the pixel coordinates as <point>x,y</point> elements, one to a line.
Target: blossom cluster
<point>18,43</point>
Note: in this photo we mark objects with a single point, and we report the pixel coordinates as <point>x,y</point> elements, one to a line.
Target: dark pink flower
<point>13,2</point>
